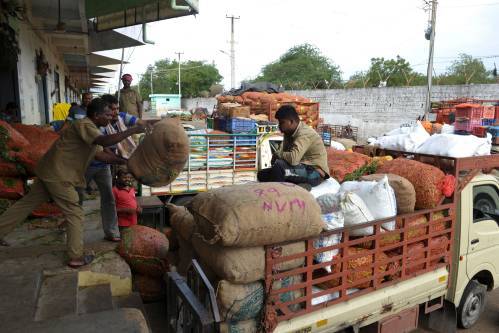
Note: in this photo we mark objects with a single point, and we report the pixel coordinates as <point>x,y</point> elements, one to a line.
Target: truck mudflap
<point>441,320</point>
<point>191,302</point>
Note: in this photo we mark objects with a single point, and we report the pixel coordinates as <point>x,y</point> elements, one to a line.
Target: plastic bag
<point>333,221</point>
<point>378,196</point>
<point>356,212</point>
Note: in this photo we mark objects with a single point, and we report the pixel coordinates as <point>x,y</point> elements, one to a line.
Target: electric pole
<point>179,89</point>
<point>430,57</point>
<point>151,81</point>
<point>232,51</point>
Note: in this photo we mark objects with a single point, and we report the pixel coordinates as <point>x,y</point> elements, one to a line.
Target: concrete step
<point>112,321</point>
<point>58,296</point>
<point>131,301</point>
<point>18,297</point>
<point>95,299</point>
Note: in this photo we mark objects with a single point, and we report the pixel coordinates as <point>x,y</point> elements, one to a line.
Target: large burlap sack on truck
<point>430,183</point>
<point>256,214</point>
<point>162,155</point>
<point>145,250</point>
<point>243,265</point>
<point>181,221</point>
<point>237,302</point>
<point>341,163</point>
<point>404,191</point>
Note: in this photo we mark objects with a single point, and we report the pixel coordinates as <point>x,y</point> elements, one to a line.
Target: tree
<point>302,67</point>
<point>466,70</point>
<point>196,78</point>
<point>387,72</point>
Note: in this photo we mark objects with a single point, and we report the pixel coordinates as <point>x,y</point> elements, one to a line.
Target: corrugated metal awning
<point>115,14</point>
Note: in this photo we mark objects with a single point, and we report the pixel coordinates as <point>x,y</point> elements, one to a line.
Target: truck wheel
<point>472,304</point>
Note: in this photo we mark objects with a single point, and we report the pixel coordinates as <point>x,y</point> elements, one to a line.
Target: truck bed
<point>380,304</point>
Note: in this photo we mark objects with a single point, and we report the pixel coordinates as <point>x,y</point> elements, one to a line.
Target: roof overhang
<point>109,15</point>
<point>110,40</point>
<point>100,60</point>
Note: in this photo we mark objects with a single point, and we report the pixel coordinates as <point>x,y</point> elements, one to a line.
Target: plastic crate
<point>219,124</point>
<point>469,111</point>
<point>210,123</point>
<point>488,122</point>
<point>480,131</point>
<point>245,140</point>
<point>239,125</point>
<point>494,130</point>
<point>466,125</point>
<point>489,112</point>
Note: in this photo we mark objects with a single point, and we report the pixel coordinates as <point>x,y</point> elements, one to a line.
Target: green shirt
<point>304,146</point>
<point>68,158</point>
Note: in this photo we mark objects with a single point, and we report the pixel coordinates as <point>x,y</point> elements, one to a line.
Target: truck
<point>442,286</point>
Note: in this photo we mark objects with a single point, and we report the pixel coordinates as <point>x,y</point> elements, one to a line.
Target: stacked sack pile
<point>146,252</point>
<point>21,147</point>
<point>263,105</point>
<point>226,229</point>
<point>416,139</point>
<point>394,187</point>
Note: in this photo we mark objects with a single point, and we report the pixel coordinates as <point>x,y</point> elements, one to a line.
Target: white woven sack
<point>356,212</point>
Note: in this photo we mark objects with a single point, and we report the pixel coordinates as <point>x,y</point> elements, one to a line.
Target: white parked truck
<point>438,289</point>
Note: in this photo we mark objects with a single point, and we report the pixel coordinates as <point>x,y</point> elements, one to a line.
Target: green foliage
<point>466,70</point>
<point>395,72</point>
<point>367,169</point>
<point>302,67</point>
<point>196,77</point>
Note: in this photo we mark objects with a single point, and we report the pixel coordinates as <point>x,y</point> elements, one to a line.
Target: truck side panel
<point>378,304</point>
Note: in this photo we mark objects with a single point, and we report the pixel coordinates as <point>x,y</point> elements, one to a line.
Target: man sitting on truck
<point>302,158</point>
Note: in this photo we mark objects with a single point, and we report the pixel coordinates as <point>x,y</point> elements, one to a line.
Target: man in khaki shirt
<point>302,158</point>
<point>62,169</point>
<point>130,100</point>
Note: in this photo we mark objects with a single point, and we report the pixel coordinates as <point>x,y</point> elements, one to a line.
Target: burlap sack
<point>404,191</point>
<point>161,156</point>
<point>242,265</point>
<point>237,302</point>
<point>247,326</point>
<point>256,214</point>
<point>181,221</point>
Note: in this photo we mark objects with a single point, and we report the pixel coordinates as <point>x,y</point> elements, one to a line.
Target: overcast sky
<point>350,33</point>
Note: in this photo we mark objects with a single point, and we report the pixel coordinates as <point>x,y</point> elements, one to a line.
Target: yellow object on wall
<point>60,111</point>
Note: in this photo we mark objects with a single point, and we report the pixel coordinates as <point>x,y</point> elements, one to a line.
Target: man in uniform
<point>130,100</point>
<point>62,169</point>
<point>302,158</point>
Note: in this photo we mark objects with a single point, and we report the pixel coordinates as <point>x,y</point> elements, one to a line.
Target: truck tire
<point>472,304</point>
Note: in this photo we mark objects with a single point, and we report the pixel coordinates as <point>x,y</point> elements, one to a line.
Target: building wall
<point>377,110</point>
<point>199,102</point>
<point>29,41</point>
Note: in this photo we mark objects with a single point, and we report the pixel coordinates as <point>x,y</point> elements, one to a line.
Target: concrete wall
<point>377,110</point>
<point>199,102</point>
<point>31,110</point>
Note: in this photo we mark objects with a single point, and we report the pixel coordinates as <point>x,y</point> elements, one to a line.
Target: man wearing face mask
<point>302,158</point>
<point>62,169</point>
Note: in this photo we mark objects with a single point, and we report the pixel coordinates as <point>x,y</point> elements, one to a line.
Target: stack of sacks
<point>343,163</point>
<point>21,147</point>
<point>443,142</point>
<point>430,183</point>
<point>262,103</point>
<point>146,252</point>
<point>228,228</point>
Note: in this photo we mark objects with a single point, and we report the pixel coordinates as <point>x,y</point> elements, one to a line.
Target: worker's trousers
<point>104,180</point>
<point>65,196</point>
<point>282,171</point>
